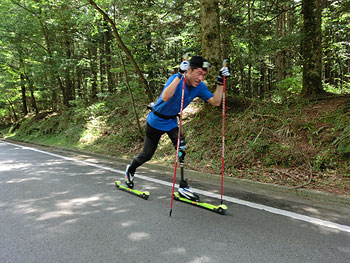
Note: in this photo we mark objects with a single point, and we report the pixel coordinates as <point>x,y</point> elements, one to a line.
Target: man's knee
<point>144,157</point>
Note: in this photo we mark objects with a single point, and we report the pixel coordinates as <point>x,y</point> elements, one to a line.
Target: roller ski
<point>142,194</point>
<point>129,185</point>
<point>221,209</point>
<point>187,195</point>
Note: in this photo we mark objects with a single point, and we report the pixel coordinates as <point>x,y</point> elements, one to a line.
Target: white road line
<point>273,210</point>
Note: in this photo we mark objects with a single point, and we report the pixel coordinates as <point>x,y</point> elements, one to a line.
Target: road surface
<point>58,208</point>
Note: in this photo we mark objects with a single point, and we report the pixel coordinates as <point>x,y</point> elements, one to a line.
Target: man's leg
<point>149,147</point>
<point>184,189</point>
<point>173,135</point>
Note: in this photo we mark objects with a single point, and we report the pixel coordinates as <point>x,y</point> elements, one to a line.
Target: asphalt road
<point>56,209</point>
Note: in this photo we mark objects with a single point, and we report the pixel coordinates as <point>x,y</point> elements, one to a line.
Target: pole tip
<point>171,210</point>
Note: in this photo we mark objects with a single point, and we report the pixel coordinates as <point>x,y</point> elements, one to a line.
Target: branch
<point>167,13</point>
<point>25,8</point>
<point>283,11</point>
<point>310,177</point>
<point>43,28</point>
<point>258,135</point>
<point>124,48</point>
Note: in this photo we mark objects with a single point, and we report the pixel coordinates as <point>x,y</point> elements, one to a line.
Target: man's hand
<point>223,72</point>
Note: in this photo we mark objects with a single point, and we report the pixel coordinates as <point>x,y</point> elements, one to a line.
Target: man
<point>163,116</point>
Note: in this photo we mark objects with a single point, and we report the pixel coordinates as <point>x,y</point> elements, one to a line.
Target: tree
<point>312,48</point>
<point>210,34</point>
<point>56,55</point>
<point>125,49</point>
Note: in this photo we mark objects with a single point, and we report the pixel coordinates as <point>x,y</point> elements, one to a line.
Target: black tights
<point>150,145</point>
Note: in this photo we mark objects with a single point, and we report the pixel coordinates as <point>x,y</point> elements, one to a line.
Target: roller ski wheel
<point>145,196</point>
<point>220,209</point>
<point>142,194</point>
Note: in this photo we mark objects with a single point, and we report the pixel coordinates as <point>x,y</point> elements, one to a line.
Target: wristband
<point>220,80</point>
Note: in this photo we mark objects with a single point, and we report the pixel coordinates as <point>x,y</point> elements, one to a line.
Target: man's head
<point>199,62</point>
<point>198,69</point>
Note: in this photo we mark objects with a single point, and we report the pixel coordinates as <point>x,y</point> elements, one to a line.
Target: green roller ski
<point>221,209</point>
<point>143,194</point>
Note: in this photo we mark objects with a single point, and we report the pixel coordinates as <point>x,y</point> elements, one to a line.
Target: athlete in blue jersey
<point>163,116</point>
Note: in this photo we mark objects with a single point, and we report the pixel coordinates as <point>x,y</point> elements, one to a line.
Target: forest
<point>80,71</point>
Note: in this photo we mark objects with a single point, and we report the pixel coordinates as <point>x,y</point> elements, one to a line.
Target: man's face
<point>195,76</point>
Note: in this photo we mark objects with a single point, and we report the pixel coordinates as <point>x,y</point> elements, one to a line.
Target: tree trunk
<point>34,105</point>
<point>210,33</point>
<point>69,85</point>
<point>312,49</point>
<point>347,67</point>
<point>249,85</point>
<point>262,87</point>
<point>78,81</point>
<point>225,36</point>
<point>92,56</point>
<point>101,55</point>
<point>281,54</point>
<point>108,64</point>
<point>24,97</point>
<point>141,134</point>
<point>148,57</point>
<point>31,89</point>
<point>54,99</point>
<point>15,118</point>
<point>290,24</point>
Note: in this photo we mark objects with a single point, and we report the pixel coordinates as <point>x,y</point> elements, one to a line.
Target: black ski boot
<point>129,178</point>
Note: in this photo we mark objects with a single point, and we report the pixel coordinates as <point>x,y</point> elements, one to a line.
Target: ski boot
<point>129,178</point>
<point>186,192</point>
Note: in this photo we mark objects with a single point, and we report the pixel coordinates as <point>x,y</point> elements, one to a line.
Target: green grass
<point>265,141</point>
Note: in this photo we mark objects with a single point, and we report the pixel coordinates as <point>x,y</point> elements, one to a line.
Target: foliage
<point>287,88</point>
<point>64,51</point>
<point>85,127</point>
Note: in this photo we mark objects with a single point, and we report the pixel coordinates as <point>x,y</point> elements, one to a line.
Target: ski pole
<point>223,130</point>
<point>178,138</point>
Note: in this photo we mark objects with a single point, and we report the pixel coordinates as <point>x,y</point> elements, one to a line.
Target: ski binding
<point>221,209</point>
<point>142,194</point>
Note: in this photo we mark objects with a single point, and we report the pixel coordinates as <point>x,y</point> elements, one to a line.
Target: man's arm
<point>169,91</point>
<point>216,99</point>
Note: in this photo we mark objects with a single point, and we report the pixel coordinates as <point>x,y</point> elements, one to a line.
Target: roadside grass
<point>297,143</point>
